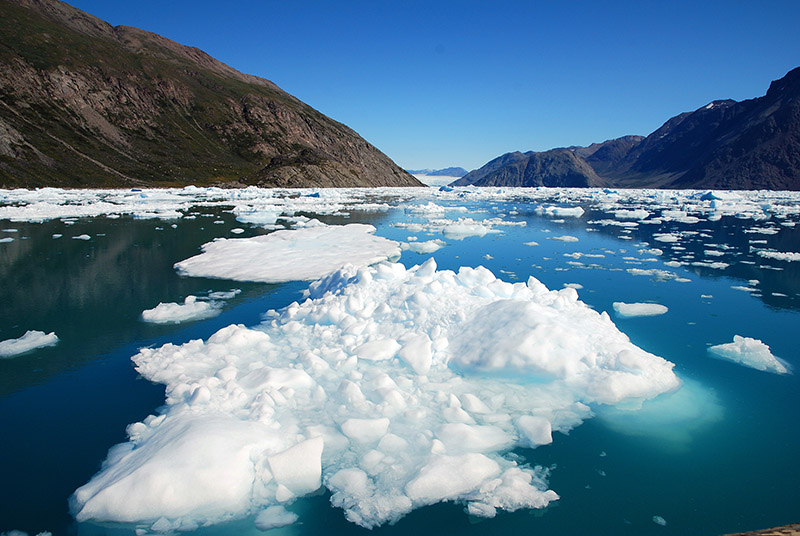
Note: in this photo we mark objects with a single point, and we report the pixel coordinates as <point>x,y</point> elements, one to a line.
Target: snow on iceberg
<point>30,341</point>
<point>393,388</point>
<point>750,353</point>
<point>175,313</point>
<point>639,309</point>
<point>290,255</point>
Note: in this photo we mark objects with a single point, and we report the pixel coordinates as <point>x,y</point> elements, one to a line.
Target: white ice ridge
<point>639,309</point>
<point>290,255</point>
<point>393,388</point>
<point>750,353</point>
<point>30,341</point>
<point>175,313</point>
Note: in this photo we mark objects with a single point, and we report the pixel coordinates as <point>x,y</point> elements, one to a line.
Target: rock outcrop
<point>753,144</point>
<point>84,103</point>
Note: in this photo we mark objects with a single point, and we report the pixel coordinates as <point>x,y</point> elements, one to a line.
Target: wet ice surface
<point>385,388</point>
<point>750,353</point>
<point>31,340</point>
<point>290,254</point>
<point>175,313</point>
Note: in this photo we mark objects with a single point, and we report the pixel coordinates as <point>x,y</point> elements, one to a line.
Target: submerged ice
<point>393,388</point>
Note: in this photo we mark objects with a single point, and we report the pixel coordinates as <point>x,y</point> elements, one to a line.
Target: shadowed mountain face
<point>83,103</point>
<point>753,144</point>
<point>559,167</point>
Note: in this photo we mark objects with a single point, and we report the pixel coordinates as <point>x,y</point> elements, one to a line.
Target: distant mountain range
<point>446,172</point>
<point>753,144</point>
<point>84,103</point>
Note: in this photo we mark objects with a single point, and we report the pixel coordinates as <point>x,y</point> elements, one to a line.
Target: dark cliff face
<point>83,103</point>
<point>753,144</point>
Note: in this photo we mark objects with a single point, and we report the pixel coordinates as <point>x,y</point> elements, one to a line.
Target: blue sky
<point>435,84</point>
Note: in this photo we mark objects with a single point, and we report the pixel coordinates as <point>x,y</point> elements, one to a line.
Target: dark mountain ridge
<point>84,103</point>
<point>753,144</point>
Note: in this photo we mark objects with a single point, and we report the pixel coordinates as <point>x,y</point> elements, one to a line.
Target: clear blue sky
<point>434,84</point>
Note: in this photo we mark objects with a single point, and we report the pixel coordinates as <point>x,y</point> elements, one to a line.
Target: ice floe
<point>789,256</point>
<point>175,313</point>
<point>750,353</point>
<point>290,255</point>
<point>428,246</point>
<point>393,388</point>
<point>639,309</point>
<point>31,340</point>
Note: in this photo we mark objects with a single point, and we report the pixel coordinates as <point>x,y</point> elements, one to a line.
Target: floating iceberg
<point>639,309</point>
<point>393,388</point>
<point>750,353</point>
<point>290,255</point>
<point>30,341</point>
<point>175,313</point>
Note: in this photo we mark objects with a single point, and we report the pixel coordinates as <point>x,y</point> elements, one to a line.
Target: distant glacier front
<point>402,360</point>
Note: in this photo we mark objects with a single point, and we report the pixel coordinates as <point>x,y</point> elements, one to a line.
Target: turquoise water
<point>726,462</point>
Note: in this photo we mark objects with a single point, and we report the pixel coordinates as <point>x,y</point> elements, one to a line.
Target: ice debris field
<point>392,387</point>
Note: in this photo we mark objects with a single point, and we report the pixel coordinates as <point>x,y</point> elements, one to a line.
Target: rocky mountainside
<point>84,103</point>
<point>558,167</point>
<point>753,144</point>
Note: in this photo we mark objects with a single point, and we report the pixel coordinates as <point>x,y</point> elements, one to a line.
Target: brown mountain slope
<point>83,103</point>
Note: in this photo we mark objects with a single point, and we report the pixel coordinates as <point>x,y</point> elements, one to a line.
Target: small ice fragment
<point>565,238</point>
<point>658,520</point>
<point>274,517</point>
<point>6,240</point>
<point>365,430</point>
<point>175,313</point>
<point>82,237</point>
<point>750,353</point>
<point>639,309</point>
<point>30,341</point>
<point>426,247</point>
<point>459,231</point>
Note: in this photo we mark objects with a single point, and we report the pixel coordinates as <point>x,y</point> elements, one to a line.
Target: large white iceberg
<point>393,388</point>
<point>290,255</point>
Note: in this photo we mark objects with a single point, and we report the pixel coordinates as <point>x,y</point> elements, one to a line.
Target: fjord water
<point>721,459</point>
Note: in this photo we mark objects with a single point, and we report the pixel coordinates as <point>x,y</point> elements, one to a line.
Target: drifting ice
<point>30,341</point>
<point>290,255</point>
<point>175,313</point>
<point>750,353</point>
<point>393,388</point>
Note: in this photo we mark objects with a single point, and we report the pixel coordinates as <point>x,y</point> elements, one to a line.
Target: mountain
<point>556,168</point>
<point>446,172</point>
<point>753,144</point>
<point>84,103</point>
